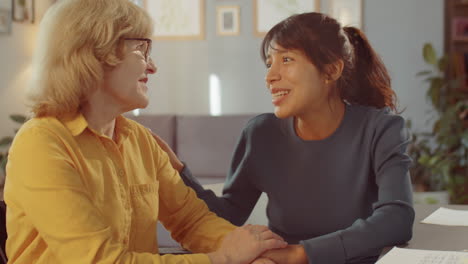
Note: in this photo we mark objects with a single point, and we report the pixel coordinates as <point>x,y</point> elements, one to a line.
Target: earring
<point>327,81</point>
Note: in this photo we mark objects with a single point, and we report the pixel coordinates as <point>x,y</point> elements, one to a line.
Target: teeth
<point>281,93</point>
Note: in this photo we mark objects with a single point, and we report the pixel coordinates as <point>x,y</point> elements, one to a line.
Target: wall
<point>185,68</point>
<point>397,29</point>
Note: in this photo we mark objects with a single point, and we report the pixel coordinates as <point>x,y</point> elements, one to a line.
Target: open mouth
<point>279,95</point>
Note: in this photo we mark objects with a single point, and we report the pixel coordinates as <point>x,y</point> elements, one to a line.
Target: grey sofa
<point>204,143</point>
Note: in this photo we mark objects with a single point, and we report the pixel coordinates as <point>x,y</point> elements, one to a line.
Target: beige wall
<point>16,50</point>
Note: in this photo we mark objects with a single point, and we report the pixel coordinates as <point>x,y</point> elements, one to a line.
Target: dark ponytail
<point>369,78</point>
<point>364,80</point>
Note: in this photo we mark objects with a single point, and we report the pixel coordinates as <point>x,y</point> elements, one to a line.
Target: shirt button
<point>121,173</point>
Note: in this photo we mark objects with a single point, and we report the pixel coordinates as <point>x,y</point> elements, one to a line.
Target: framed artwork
<point>347,12</point>
<point>227,20</point>
<point>177,19</point>
<point>268,13</point>
<point>460,28</point>
<point>5,21</point>
<point>23,11</point>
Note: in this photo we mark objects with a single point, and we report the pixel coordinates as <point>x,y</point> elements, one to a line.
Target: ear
<point>334,70</point>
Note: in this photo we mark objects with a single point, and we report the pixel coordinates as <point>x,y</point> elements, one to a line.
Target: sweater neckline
<point>338,130</point>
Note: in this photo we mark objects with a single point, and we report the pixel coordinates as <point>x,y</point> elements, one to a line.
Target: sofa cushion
<point>206,143</point>
<point>163,125</point>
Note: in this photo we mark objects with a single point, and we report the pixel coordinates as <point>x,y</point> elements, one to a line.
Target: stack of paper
<point>418,256</point>
<point>449,217</point>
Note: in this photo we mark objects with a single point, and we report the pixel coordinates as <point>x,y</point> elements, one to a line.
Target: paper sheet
<point>418,256</point>
<point>173,250</point>
<point>449,217</point>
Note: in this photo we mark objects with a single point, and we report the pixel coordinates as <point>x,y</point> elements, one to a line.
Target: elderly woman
<point>86,185</point>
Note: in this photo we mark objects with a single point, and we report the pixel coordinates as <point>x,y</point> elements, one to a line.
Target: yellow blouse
<point>76,196</point>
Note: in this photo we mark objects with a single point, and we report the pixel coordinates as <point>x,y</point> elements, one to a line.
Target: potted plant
<point>428,188</point>
<point>447,156</point>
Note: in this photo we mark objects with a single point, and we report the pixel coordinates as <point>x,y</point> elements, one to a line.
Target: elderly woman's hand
<point>175,162</point>
<point>245,244</point>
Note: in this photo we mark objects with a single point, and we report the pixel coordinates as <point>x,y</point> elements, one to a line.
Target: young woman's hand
<point>245,244</point>
<point>175,162</point>
<point>292,254</point>
<point>263,261</point>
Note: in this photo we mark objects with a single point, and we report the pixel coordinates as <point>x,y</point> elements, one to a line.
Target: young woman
<point>332,159</point>
<point>86,185</point>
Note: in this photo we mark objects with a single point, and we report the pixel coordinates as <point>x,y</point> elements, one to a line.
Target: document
<point>173,250</point>
<point>448,217</point>
<point>418,256</point>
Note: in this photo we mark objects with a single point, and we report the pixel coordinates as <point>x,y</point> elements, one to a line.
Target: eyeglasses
<point>144,46</point>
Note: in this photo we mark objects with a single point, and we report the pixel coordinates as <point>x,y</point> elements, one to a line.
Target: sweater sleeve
<point>239,195</point>
<point>393,214</point>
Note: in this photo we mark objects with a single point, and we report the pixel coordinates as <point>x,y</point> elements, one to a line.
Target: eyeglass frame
<point>148,49</point>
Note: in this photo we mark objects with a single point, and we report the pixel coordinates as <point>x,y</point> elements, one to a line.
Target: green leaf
<point>433,161</point>
<point>429,54</point>
<point>443,63</point>
<point>422,73</point>
<point>18,118</point>
<point>434,92</point>
<point>6,141</point>
<point>424,159</point>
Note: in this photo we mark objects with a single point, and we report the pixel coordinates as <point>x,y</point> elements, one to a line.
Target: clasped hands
<point>253,244</point>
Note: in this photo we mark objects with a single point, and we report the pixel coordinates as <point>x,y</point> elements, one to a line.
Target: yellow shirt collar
<point>78,124</point>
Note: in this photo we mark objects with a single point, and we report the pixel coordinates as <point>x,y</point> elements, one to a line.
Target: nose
<point>151,67</point>
<point>272,75</point>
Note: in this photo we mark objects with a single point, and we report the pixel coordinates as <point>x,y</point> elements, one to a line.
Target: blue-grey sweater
<point>343,198</point>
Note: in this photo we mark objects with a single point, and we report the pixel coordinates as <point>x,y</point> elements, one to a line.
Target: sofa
<point>206,144</point>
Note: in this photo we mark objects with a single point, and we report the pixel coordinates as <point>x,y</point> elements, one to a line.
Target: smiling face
<point>126,82</point>
<point>296,85</point>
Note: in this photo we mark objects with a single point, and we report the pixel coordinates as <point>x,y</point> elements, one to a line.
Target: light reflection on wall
<point>215,95</point>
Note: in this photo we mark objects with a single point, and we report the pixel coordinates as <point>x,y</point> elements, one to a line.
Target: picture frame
<point>177,20</point>
<point>5,21</point>
<point>228,20</point>
<point>267,13</point>
<point>24,11</point>
<point>460,28</point>
<point>347,12</point>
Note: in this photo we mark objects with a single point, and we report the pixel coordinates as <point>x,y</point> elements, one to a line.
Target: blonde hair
<point>77,39</point>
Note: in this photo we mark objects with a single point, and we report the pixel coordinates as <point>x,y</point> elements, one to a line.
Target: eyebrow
<point>279,51</point>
